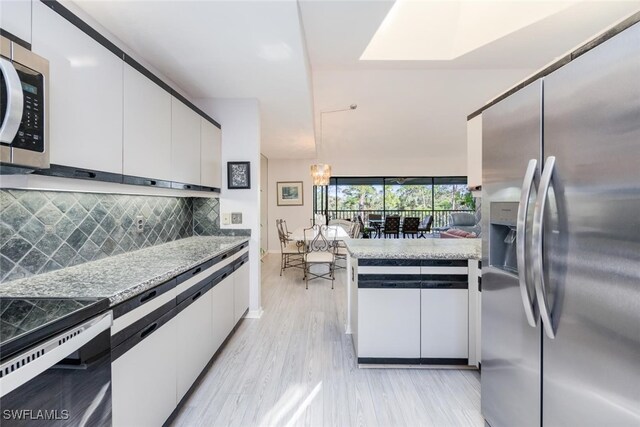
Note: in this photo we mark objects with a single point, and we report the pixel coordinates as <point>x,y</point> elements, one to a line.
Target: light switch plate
<point>236,218</point>
<point>226,219</point>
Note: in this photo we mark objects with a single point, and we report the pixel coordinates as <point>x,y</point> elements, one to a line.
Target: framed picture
<point>238,175</point>
<point>290,193</point>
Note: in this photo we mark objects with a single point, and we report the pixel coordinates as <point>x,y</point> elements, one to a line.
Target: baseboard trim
<point>254,314</point>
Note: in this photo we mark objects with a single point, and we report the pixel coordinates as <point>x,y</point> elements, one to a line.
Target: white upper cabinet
<point>474,152</point>
<point>15,17</point>
<point>85,94</point>
<point>185,143</point>
<point>147,127</point>
<point>210,154</point>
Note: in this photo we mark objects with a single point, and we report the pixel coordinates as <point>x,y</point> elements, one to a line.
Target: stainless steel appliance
<point>561,166</point>
<point>23,107</point>
<point>63,379</point>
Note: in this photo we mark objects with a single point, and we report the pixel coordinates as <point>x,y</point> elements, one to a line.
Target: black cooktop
<point>27,321</point>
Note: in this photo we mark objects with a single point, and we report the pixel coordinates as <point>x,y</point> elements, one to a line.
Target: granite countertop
<point>415,248</point>
<point>122,276</point>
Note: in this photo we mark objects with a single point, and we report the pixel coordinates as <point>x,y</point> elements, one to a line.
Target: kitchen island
<point>414,302</point>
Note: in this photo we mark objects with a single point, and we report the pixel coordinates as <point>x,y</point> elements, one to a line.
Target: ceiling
<point>302,58</point>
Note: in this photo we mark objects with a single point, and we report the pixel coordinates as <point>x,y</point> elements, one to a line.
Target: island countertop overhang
<point>415,248</point>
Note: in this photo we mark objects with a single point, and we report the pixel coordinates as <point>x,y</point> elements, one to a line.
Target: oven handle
<point>13,116</point>
<point>31,363</point>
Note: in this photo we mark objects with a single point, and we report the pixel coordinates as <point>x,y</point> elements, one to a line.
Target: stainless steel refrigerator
<point>561,245</point>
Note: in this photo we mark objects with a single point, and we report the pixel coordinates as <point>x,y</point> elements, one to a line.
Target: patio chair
<point>425,226</point>
<point>319,250</point>
<point>410,226</point>
<point>291,253</point>
<point>392,226</point>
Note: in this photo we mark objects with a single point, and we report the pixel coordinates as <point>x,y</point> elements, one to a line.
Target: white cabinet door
<point>15,17</point>
<point>185,143</point>
<point>222,303</point>
<point>444,323</point>
<point>144,380</point>
<point>85,94</point>
<point>147,127</point>
<point>210,154</point>
<point>241,291</point>
<point>474,152</point>
<point>389,323</point>
<point>194,342</point>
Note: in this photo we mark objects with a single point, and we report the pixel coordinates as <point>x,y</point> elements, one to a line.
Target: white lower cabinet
<point>444,323</point>
<point>194,341</point>
<point>241,291</point>
<point>222,316</point>
<point>388,323</point>
<point>144,380</point>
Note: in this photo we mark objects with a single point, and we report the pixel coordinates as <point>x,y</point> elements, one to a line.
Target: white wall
<point>240,120</point>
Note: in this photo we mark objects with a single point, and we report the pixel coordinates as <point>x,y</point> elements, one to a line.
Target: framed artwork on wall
<point>238,175</point>
<point>290,193</point>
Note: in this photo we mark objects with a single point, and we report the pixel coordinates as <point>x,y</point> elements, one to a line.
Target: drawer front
<point>148,307</point>
<point>388,270</point>
<point>142,334</point>
<point>144,298</point>
<point>197,278</point>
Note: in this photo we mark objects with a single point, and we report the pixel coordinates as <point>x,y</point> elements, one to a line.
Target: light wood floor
<point>296,366</point>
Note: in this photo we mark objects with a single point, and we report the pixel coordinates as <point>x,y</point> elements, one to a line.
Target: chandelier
<point>320,174</point>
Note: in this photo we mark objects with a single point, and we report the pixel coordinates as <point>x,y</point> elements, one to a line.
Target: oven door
<point>66,381</point>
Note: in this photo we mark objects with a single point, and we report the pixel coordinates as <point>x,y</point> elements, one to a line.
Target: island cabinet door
<point>444,323</point>
<point>388,323</point>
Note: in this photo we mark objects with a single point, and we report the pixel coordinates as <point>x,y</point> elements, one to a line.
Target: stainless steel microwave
<point>24,80</point>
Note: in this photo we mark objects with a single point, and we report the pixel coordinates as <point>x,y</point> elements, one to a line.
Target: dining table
<point>332,231</point>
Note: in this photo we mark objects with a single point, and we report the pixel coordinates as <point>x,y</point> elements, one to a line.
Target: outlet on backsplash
<point>140,221</point>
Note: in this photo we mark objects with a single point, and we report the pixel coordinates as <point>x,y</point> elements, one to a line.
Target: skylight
<point>422,30</point>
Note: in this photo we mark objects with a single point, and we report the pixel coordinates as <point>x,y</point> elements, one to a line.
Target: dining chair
<point>375,221</point>
<point>291,253</point>
<point>392,226</point>
<point>319,249</point>
<point>410,226</point>
<point>425,226</point>
<point>320,219</point>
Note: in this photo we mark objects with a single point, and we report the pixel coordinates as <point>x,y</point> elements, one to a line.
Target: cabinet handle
<point>241,247</point>
<point>187,187</point>
<point>224,256</point>
<point>150,329</point>
<point>389,285</point>
<point>223,276</point>
<point>353,274</point>
<point>84,174</point>
<point>196,271</point>
<point>150,182</point>
<point>148,296</point>
<point>196,296</point>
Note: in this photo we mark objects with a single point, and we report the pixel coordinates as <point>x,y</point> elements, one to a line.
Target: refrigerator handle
<point>530,178</point>
<point>536,243</point>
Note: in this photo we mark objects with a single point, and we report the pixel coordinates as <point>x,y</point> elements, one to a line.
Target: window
<point>349,197</point>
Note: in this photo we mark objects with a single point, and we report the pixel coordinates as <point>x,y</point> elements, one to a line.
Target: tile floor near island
<point>296,366</point>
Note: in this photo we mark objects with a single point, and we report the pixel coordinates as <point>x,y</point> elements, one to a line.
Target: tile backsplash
<point>42,231</point>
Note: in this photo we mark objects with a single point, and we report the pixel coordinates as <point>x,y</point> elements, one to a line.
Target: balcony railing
<point>440,216</point>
